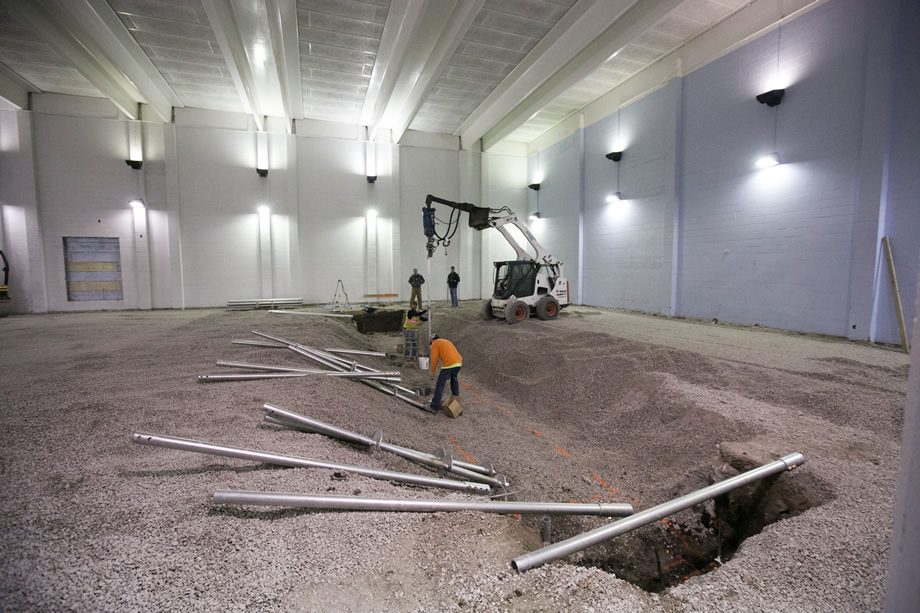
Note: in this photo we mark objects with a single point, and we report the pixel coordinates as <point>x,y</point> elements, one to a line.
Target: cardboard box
<point>452,408</point>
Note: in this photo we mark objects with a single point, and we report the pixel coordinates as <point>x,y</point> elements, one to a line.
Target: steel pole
<point>267,367</point>
<point>185,444</point>
<point>307,352</point>
<point>259,344</point>
<point>604,533</point>
<point>408,505</point>
<point>298,420</point>
<point>377,354</point>
<point>249,376</point>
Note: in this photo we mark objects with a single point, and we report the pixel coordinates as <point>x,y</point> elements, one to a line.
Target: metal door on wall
<point>93,268</point>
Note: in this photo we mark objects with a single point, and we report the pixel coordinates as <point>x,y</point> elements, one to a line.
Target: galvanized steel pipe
<point>185,444</point>
<point>259,344</point>
<point>270,368</point>
<point>604,533</point>
<point>409,454</point>
<point>253,376</point>
<point>312,354</point>
<point>408,505</point>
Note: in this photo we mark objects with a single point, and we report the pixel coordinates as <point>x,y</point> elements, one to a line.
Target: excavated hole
<point>703,538</point>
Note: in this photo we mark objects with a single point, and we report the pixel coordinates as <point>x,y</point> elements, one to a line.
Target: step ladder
<point>410,354</point>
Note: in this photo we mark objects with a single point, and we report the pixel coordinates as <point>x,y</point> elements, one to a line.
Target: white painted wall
<point>20,232</point>
<point>84,187</point>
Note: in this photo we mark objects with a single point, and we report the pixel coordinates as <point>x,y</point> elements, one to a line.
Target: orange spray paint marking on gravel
<point>563,451</point>
<point>483,397</point>
<point>454,441</point>
<point>534,431</point>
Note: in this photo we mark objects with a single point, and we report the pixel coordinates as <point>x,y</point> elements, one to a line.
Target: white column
<point>265,250</point>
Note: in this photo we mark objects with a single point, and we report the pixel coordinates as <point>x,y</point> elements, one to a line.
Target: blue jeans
<point>453,296</point>
<point>443,376</point>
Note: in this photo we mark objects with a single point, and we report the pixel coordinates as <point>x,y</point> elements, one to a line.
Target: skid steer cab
<point>524,288</point>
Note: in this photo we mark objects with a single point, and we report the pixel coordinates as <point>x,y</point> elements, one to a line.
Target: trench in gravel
<point>703,538</point>
<point>689,543</point>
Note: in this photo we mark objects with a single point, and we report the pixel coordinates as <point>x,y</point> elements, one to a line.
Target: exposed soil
<point>598,405</point>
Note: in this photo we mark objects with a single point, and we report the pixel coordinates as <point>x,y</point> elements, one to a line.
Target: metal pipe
<point>314,425</point>
<point>599,535</point>
<point>269,368</point>
<point>408,505</point>
<point>184,444</point>
<point>249,376</point>
<point>278,312</point>
<point>377,354</point>
<point>259,344</point>
<point>364,375</point>
<point>305,351</point>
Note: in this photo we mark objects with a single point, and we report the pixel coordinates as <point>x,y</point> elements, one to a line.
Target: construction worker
<point>453,279</point>
<point>411,323</point>
<point>444,350</point>
<point>416,281</point>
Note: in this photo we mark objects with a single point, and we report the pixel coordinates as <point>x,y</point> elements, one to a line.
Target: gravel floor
<point>598,405</point>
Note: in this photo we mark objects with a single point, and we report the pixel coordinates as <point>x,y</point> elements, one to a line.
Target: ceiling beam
<point>639,18</point>
<point>282,21</point>
<point>226,19</point>
<point>585,21</point>
<point>388,65</point>
<point>59,23</point>
<point>426,67</point>
<point>120,48</point>
<point>14,89</point>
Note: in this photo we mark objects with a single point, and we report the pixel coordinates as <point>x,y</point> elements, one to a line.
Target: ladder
<point>410,354</point>
<point>337,300</point>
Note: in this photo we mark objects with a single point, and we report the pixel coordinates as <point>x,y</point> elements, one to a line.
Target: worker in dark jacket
<point>453,279</point>
<point>416,281</point>
<point>444,350</point>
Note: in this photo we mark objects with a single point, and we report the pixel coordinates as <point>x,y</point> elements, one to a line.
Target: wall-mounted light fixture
<point>137,203</point>
<point>370,161</point>
<point>262,154</point>
<point>771,159</point>
<point>135,146</point>
<point>772,97</point>
<point>534,186</point>
<point>535,216</point>
<point>615,197</point>
<point>616,156</point>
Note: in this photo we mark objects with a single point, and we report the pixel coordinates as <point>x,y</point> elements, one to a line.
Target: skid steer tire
<point>486,311</point>
<point>547,308</point>
<point>516,312</point>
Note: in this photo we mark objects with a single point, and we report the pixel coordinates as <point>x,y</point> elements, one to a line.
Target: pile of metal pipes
<point>266,457</point>
<point>438,461</point>
<point>335,366</point>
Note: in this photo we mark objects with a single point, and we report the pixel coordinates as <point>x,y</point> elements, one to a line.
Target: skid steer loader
<point>531,284</point>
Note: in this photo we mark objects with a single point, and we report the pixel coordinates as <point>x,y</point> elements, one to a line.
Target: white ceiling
<point>478,69</point>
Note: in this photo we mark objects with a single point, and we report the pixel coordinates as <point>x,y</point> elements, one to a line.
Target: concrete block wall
<point>558,170</point>
<point>703,233</point>
<point>629,244</point>
<point>771,246</point>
